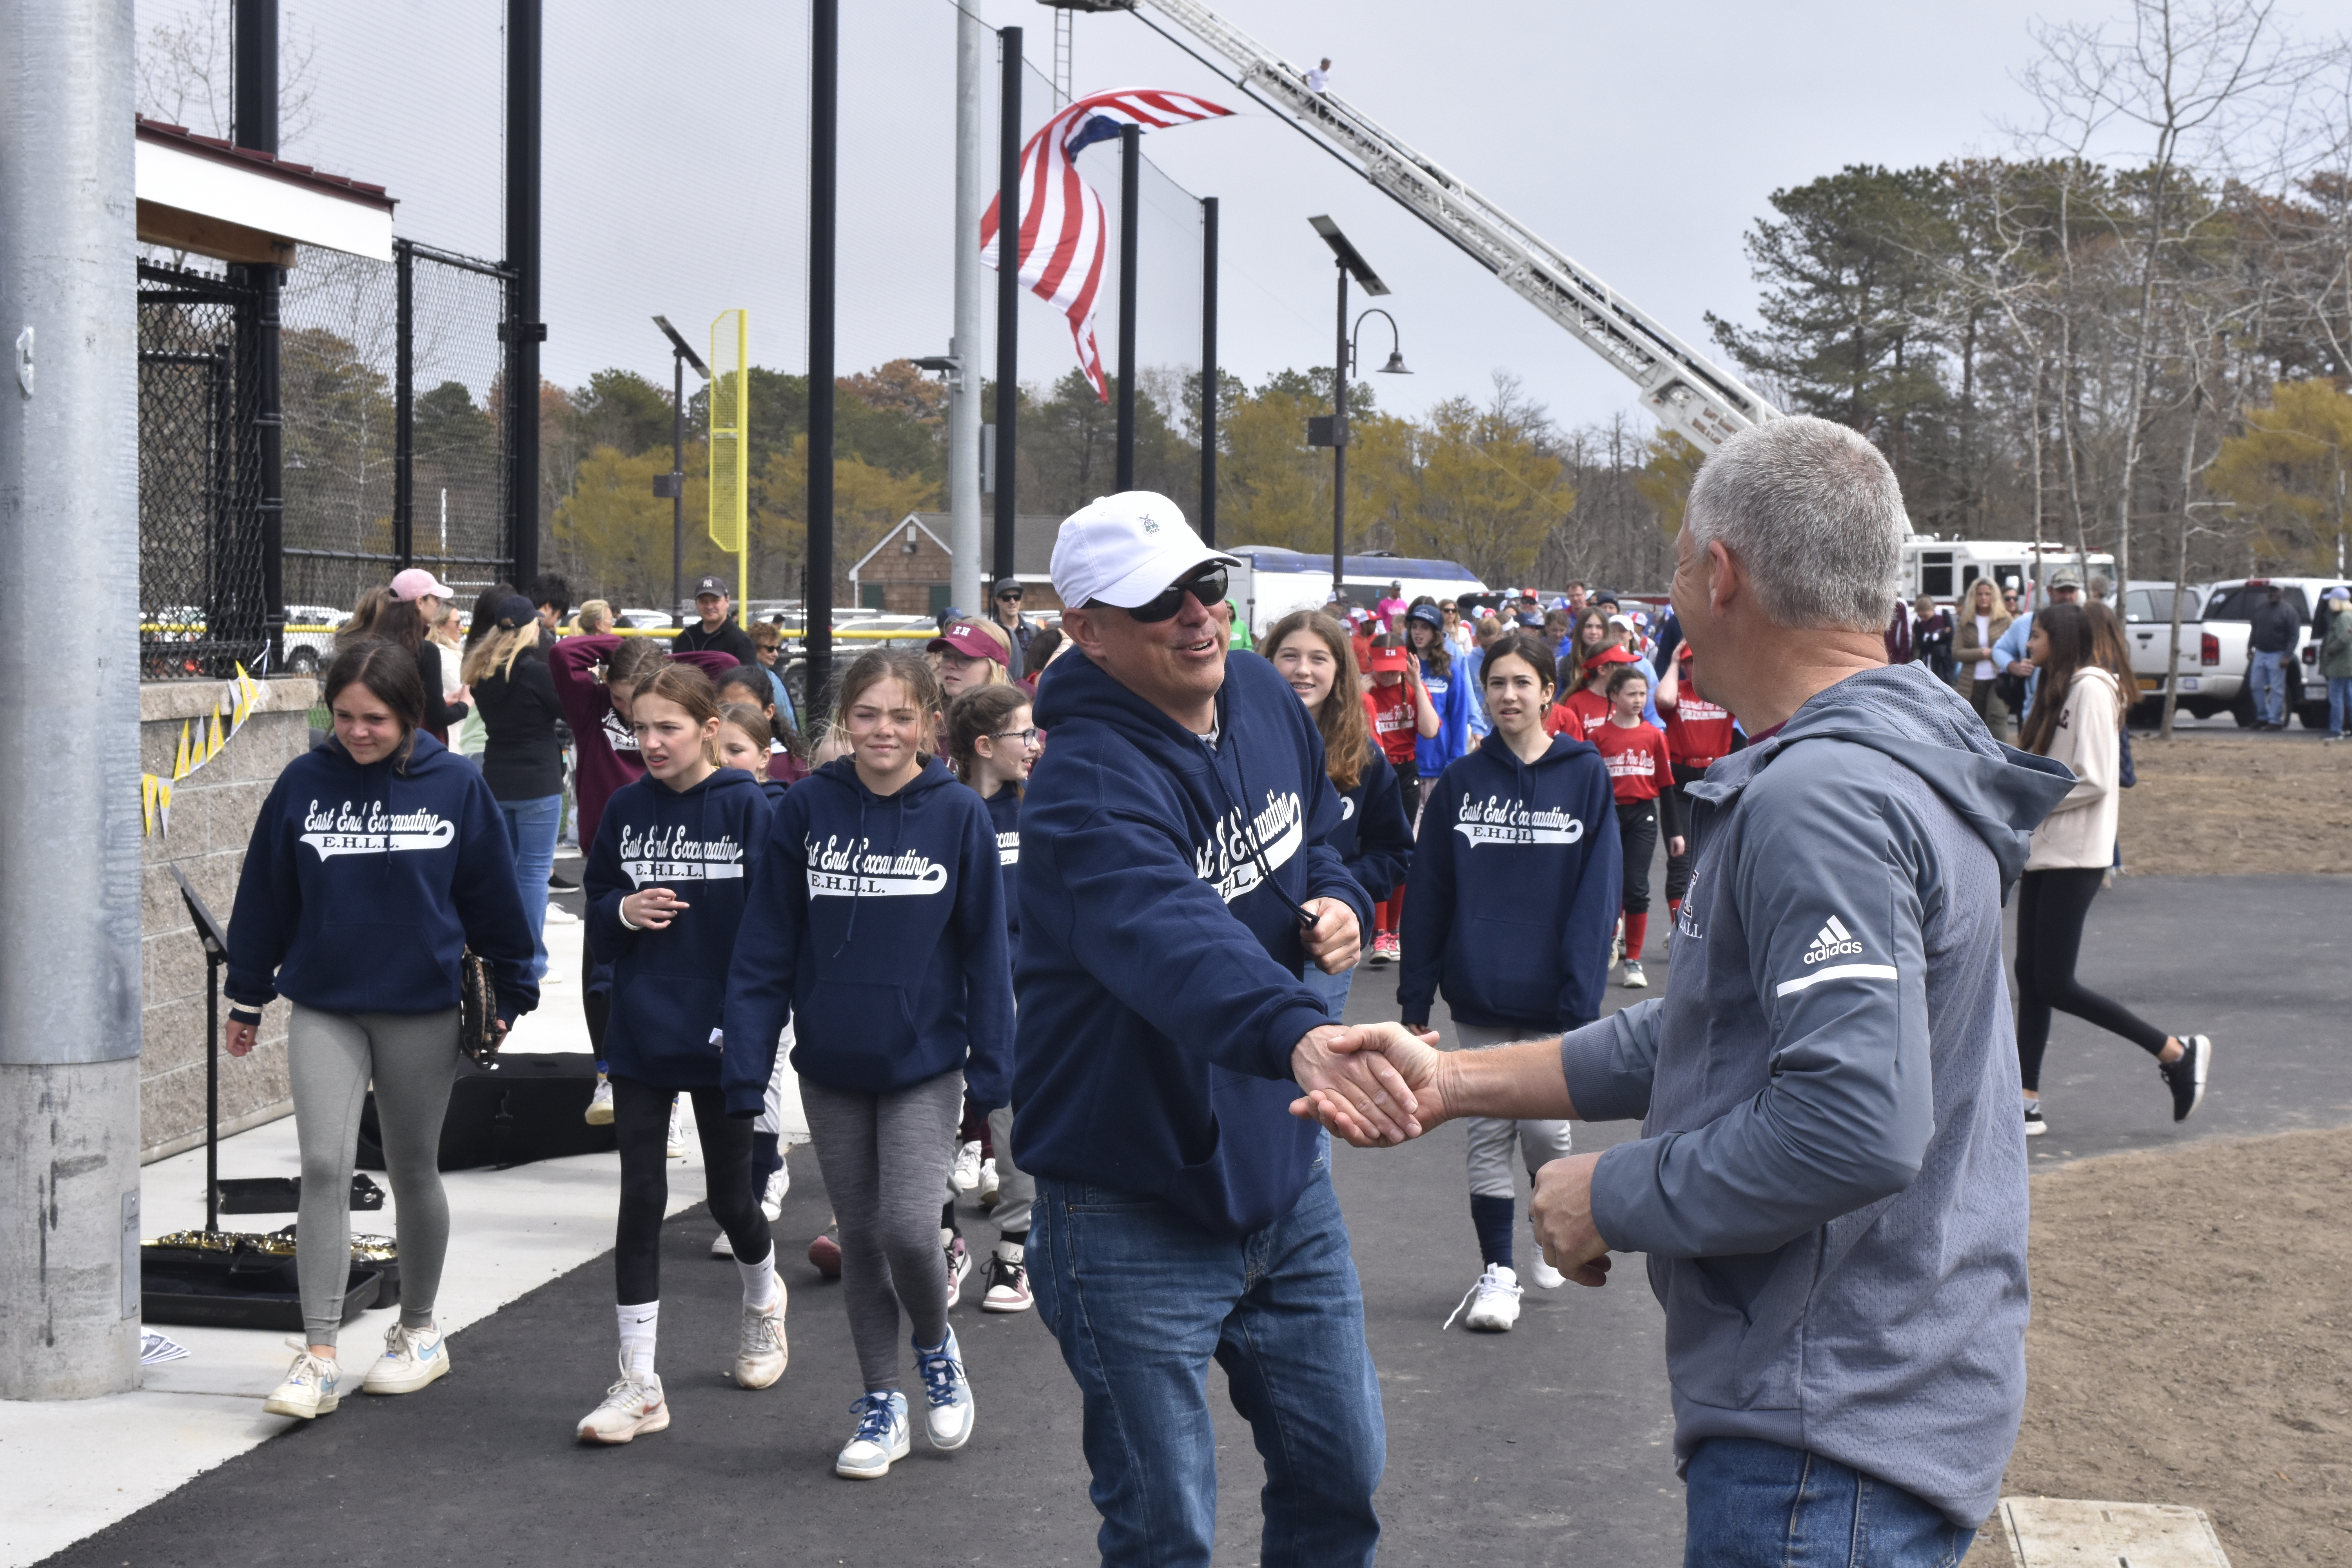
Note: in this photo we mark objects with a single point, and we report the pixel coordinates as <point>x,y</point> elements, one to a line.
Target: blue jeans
<point>1332,988</point>
<point>1752,1504</point>
<point>2339,703</point>
<point>1141,1299</point>
<point>2270,688</point>
<point>530,829</point>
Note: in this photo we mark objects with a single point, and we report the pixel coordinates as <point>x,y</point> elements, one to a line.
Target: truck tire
<point>2242,709</point>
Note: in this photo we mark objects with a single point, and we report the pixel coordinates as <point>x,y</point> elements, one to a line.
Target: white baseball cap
<point>416,582</point>
<point>1126,550</point>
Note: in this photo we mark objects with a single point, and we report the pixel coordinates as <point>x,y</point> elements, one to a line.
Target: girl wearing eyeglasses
<point>993,743</point>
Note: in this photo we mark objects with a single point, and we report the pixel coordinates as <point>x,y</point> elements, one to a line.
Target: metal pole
<point>70,827</point>
<point>403,403</point>
<point>1339,444</point>
<point>1209,369</point>
<point>966,585</point>
<point>255,107</point>
<point>1130,177</point>
<point>1008,291</point>
<point>825,89</point>
<point>211,1091</point>
<point>523,41</point>
<point>677,489</point>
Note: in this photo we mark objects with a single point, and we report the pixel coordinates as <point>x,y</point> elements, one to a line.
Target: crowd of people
<point>1083,939</point>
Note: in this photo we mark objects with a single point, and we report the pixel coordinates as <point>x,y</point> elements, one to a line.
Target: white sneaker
<point>1634,979</point>
<point>989,1182</point>
<point>721,1247</point>
<point>771,1196</point>
<point>412,1358</point>
<point>600,1107</point>
<point>1543,1275</point>
<point>632,1408</point>
<point>967,1167</point>
<point>948,1393</point>
<point>309,1389</point>
<point>557,915</point>
<point>1493,1302</point>
<point>959,1264</point>
<point>1008,1280</point>
<point>676,1130</point>
<point>881,1438</point>
<point>761,1352</point>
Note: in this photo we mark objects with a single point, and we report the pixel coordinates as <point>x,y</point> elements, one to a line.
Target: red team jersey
<point>1697,731</point>
<point>1638,765</point>
<point>1391,710</point>
<point>1577,715</point>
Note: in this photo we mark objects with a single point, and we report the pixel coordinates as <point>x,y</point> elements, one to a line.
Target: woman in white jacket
<point>2077,718</point>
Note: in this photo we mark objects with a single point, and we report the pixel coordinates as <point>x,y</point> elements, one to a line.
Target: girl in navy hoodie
<point>1374,837</point>
<point>747,741</point>
<point>879,928</point>
<point>1515,893</point>
<point>378,858</point>
<point>992,741</point>
<point>677,857</point>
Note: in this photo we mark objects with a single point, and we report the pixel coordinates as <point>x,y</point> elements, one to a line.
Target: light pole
<point>673,484</point>
<point>1333,432</point>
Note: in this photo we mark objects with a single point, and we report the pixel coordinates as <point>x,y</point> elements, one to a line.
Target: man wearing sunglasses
<point>1180,880</point>
<point>1005,605</point>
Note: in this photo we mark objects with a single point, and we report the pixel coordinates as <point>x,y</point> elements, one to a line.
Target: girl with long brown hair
<point>2076,718</point>
<point>1315,655</point>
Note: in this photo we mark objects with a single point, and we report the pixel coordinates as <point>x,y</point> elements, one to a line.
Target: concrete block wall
<point>212,818</point>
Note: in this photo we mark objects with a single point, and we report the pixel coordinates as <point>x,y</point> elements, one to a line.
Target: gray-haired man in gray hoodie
<point>1831,1179</point>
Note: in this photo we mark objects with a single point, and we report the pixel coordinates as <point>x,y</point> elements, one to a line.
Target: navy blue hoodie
<point>1159,971</point>
<point>669,986</point>
<point>365,885</point>
<point>879,927</point>
<point>1005,819</point>
<point>1373,837</point>
<point>1516,887</point>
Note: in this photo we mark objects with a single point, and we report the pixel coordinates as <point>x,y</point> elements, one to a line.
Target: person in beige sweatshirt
<point>2077,718</point>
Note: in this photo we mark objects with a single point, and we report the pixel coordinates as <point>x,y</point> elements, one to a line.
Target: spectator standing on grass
<point>376,862</point>
<point>2078,721</point>
<point>1176,874</point>
<point>2335,657</point>
<point>522,759</point>
<point>1981,627</point>
<point>1830,1183</point>
<point>716,632</point>
<point>2276,629</point>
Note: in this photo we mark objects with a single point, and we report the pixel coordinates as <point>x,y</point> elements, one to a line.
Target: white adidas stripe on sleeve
<point>1835,972</point>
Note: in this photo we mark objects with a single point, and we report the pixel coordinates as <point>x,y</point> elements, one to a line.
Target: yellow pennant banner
<point>200,742</point>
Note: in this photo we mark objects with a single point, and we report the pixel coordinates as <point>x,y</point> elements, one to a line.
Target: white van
<point>1272,582</point>
<point>1945,569</point>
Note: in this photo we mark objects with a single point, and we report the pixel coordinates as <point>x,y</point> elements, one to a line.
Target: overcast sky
<point>1642,141</point>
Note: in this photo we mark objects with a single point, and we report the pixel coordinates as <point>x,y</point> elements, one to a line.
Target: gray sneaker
<point>1634,979</point>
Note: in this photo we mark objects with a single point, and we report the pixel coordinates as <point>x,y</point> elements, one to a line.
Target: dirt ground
<point>2209,805</point>
<point>2191,1342</point>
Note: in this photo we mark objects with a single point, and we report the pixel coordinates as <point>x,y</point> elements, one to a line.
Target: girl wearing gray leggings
<point>879,924</point>
<point>378,859</point>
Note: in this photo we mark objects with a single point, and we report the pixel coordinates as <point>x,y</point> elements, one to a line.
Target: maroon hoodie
<point>605,748</point>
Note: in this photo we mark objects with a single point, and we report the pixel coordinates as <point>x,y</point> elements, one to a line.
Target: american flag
<point>1063,236</point>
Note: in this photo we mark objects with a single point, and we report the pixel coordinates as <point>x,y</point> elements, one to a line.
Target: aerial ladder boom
<point>1682,388</point>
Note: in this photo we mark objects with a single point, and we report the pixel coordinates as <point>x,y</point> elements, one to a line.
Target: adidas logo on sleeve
<point>1832,940</point>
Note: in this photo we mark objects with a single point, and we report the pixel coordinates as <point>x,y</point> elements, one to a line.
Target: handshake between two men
<point>1377,1085</point>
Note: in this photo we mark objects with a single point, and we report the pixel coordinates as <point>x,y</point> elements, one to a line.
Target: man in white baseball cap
<point>1181,880</point>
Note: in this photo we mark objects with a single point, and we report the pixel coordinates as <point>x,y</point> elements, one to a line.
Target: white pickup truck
<point>2215,626</point>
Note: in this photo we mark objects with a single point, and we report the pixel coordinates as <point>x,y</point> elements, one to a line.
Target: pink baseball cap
<point>416,582</point>
<point>969,641</point>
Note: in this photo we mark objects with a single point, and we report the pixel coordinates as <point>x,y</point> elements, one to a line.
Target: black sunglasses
<point>1008,594</point>
<point>1207,585</point>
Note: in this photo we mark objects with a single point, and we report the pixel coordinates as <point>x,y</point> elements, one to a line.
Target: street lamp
<point>1333,432</point>
<point>673,484</point>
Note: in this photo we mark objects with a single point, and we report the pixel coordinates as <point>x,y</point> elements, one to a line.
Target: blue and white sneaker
<point>410,1359</point>
<point>949,1420</point>
<point>309,1389</point>
<point>881,1438</point>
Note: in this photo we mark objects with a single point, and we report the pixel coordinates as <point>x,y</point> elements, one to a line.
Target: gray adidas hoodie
<point>1830,1179</point>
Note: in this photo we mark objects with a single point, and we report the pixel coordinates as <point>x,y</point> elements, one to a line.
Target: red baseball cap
<point>1386,659</point>
<point>1613,654</point>
<point>969,641</point>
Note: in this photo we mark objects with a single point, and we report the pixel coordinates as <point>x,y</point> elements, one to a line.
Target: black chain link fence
<point>393,392</point>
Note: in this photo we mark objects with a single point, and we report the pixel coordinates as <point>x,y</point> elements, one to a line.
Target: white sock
<point>638,1325</point>
<point>759,1280</point>
<point>1011,1251</point>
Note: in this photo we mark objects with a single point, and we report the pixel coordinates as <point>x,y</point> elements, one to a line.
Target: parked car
<point>2205,688</point>
<point>308,650</point>
<point>2228,623</point>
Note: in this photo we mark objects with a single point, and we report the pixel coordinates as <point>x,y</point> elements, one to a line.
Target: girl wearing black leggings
<point>2076,718</point>
<point>675,860</point>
